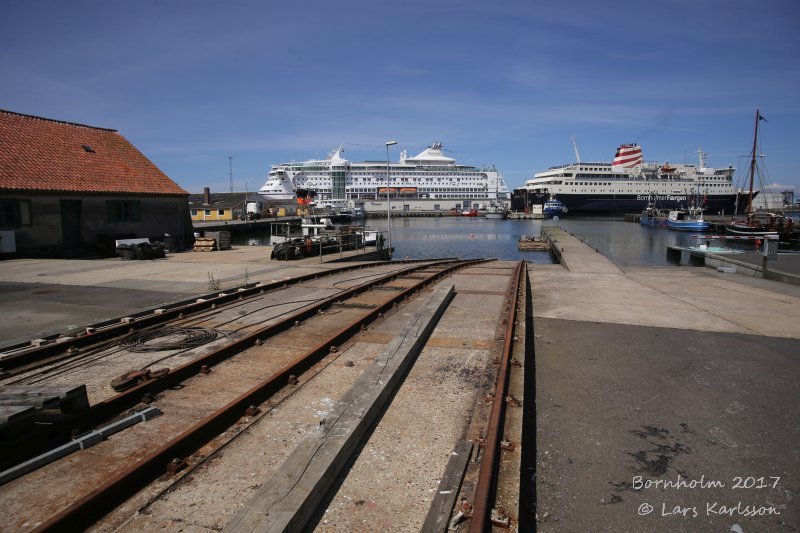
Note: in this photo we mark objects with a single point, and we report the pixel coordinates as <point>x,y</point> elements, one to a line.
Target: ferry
<point>430,175</point>
<point>628,183</point>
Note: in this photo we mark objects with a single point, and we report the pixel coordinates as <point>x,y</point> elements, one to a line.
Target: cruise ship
<point>629,183</point>
<point>426,178</point>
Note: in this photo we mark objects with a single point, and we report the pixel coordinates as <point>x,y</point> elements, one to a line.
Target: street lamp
<point>388,197</point>
<point>246,197</point>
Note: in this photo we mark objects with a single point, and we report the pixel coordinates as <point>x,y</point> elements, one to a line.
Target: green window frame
<point>121,211</point>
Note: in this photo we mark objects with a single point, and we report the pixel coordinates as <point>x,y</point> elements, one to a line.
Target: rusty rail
<point>93,506</point>
<point>25,358</point>
<point>481,510</point>
<point>106,410</point>
<point>111,407</point>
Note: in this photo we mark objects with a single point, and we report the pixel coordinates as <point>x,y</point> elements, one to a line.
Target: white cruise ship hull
<point>429,177</point>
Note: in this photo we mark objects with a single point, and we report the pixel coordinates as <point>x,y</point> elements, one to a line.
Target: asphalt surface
<point>39,297</point>
<point>786,262</point>
<point>667,399</point>
<point>619,406</point>
<point>32,310</point>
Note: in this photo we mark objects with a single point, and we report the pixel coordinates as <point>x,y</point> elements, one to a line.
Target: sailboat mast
<point>753,164</point>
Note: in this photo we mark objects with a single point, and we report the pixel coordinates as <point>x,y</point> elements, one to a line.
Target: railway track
<point>272,341</point>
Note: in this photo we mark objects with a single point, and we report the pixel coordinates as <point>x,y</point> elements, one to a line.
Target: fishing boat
<point>554,208</point>
<point>689,219</point>
<point>760,224</point>
<point>653,216</point>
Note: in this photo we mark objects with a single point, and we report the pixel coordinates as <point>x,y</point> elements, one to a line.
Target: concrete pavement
<point>655,375</point>
<point>43,296</point>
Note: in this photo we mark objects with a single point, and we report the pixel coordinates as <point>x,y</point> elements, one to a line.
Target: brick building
<point>70,190</point>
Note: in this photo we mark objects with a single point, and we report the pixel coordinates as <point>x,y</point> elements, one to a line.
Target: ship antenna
<point>702,157</point>
<point>575,146</point>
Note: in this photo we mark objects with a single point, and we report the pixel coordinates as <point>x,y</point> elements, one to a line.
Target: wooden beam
<point>289,497</point>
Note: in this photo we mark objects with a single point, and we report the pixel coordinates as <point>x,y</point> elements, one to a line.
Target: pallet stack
<point>205,244</point>
<point>223,239</point>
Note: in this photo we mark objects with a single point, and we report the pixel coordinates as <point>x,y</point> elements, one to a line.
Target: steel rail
<point>481,510</point>
<point>109,408</point>
<point>119,326</point>
<point>93,506</point>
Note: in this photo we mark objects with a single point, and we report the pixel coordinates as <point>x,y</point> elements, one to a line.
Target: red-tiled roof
<point>50,155</point>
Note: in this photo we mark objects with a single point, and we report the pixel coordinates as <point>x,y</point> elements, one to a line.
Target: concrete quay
<point>391,482</point>
<point>44,296</point>
<point>643,376</point>
<point>652,375</point>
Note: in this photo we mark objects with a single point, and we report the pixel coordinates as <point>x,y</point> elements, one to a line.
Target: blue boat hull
<point>655,222</point>
<point>687,225</point>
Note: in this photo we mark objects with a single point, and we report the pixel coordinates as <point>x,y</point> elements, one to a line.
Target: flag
<point>761,117</point>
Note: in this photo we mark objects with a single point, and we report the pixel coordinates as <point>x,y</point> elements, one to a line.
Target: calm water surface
<point>627,244</point>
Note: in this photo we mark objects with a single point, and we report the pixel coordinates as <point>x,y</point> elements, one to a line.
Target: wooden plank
<point>45,389</point>
<point>14,413</point>
<point>287,500</point>
<point>39,402</point>
<point>441,508</point>
<point>69,398</point>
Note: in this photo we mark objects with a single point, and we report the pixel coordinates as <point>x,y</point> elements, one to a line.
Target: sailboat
<point>760,224</point>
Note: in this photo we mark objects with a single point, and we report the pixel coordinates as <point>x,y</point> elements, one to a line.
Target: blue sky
<point>504,82</point>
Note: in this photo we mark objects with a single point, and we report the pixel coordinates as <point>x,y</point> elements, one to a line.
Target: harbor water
<point>627,244</point>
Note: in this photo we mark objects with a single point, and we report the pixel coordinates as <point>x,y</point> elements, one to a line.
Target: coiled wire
<point>169,338</point>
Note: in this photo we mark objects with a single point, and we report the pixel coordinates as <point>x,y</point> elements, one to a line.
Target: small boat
<point>652,216</point>
<point>469,213</point>
<point>689,219</point>
<point>532,243</point>
<point>496,211</point>
<point>553,209</point>
<point>344,215</point>
<point>762,224</point>
<point>759,224</point>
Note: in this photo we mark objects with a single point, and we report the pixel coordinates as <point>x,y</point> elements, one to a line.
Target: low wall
<point>749,269</point>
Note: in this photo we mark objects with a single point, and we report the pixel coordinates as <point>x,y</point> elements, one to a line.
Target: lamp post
<point>246,197</point>
<point>388,196</point>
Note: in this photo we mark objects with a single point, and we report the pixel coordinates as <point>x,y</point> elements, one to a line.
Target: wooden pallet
<point>205,244</point>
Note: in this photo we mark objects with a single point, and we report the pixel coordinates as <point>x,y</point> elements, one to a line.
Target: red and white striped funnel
<point>627,157</point>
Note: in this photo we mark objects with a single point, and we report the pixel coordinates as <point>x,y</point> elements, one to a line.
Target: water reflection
<point>627,244</point>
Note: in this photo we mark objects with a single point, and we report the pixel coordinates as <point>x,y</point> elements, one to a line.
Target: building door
<point>71,224</point>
